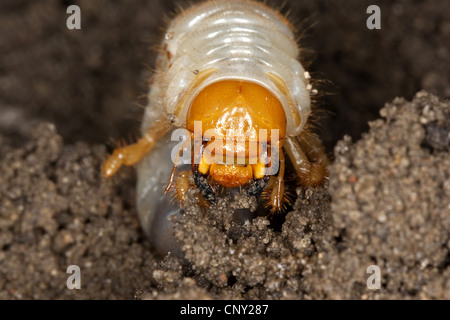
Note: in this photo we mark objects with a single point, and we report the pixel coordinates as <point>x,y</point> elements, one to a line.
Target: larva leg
<point>182,184</point>
<point>201,179</point>
<point>175,166</point>
<point>277,186</point>
<point>133,153</point>
<point>308,158</point>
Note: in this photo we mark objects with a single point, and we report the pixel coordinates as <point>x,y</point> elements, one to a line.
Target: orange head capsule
<point>232,114</point>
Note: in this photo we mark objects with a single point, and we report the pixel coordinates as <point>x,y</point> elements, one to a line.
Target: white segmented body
<point>238,39</point>
<point>243,40</point>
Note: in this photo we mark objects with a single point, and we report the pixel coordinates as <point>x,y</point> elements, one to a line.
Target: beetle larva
<point>233,67</point>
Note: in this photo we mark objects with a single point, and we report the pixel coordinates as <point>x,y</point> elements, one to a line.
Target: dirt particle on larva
<point>169,36</point>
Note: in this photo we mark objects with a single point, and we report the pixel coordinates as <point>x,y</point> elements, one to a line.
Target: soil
<point>65,93</point>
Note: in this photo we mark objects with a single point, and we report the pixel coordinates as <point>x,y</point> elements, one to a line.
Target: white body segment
<point>210,42</point>
<point>233,39</point>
